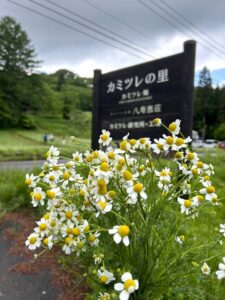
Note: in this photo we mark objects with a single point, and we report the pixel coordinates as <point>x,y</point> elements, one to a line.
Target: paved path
<point>18,286</point>
<point>24,164</point>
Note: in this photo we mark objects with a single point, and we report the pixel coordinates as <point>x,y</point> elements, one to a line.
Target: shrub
<point>219,133</point>
<point>129,220</point>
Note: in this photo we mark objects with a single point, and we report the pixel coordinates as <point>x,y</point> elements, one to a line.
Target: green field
<point>18,144</point>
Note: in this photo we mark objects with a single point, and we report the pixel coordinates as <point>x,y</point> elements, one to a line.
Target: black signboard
<point>127,100</point>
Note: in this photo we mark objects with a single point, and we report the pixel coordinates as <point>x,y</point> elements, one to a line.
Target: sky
<point>126,32</point>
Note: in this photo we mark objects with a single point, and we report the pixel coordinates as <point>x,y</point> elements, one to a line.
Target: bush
<point>129,221</point>
<point>27,122</point>
<point>219,133</point>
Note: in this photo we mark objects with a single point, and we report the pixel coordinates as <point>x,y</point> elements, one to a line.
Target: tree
<point>17,61</point>
<point>16,52</point>
<point>205,111</point>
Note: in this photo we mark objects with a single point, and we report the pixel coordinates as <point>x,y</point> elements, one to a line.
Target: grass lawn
<point>18,144</point>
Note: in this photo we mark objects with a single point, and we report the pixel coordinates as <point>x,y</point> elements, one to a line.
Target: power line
<point>211,44</point>
<point>99,26</point>
<point>88,27</point>
<point>98,8</point>
<point>191,23</point>
<point>73,28</point>
<point>174,25</point>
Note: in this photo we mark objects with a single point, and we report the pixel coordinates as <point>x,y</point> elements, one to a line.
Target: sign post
<point>127,100</point>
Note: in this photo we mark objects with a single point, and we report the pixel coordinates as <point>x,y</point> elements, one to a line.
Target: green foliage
<point>13,192</point>
<point>219,133</point>
<point>27,122</point>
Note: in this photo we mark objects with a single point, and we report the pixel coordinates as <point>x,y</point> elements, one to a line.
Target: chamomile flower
<point>48,242</point>
<point>221,272</point>
<point>30,180</point>
<point>185,205</point>
<point>43,227</point>
<point>104,296</point>
<point>93,239</point>
<point>128,286</point>
<point>174,127</point>
<point>120,233</point>
<point>105,276</point>
<point>180,239</point>
<point>38,196</point>
<point>103,207</point>
<point>105,138</point>
<point>157,122</point>
<point>68,246</point>
<point>53,155</point>
<point>134,191</point>
<point>77,157</point>
<point>208,191</point>
<point>205,269</point>
<point>33,242</point>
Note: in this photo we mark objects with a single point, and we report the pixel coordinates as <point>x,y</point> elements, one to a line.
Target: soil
<point>23,277</point>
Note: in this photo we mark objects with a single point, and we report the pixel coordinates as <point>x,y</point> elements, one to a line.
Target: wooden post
<point>189,72</point>
<point>95,109</point>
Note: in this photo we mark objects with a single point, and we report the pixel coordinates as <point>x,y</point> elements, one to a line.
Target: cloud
<point>61,47</point>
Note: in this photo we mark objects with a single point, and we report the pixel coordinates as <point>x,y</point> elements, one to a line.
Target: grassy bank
<point>29,144</point>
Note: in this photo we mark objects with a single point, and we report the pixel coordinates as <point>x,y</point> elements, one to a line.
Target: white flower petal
<point>112,231</point>
<point>136,284</point>
<point>118,287</point>
<point>126,241</point>
<point>117,238</point>
<point>124,295</point>
<point>126,276</point>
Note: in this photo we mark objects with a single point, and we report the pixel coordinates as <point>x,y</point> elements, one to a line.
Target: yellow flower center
<point>182,238</point>
<point>69,230</point>
<point>66,175</point>
<point>104,137</point>
<point>46,217</point>
<point>123,230</point>
<point>200,198</point>
<point>32,240</point>
<point>80,245</point>
<point>76,157</point>
<point>37,196</point>
<point>103,278</point>
<point>159,146</point>
<point>95,154</point>
<point>179,141</point>
<point>50,194</point>
<point>123,145</point>
<point>76,231</point>
<point>86,228</point>
<point>89,158</point>
<point>68,165</point>
<point>163,173</point>
<point>68,214</point>
<point>92,238</point>
<point>142,140</point>
<point>28,181</point>
<point>190,156</point>
<point>102,190</point>
<point>206,178</point>
<point>210,189</point>
<point>179,155</point>
<point>169,140</point>
<point>187,203</point>
<point>129,283</point>
<point>86,203</point>
<point>53,223</point>
<point>42,226</point>
<point>104,167</point>
<point>55,168</point>
<point>156,121</point>
<point>132,142</point>
<point>200,164</point>
<point>111,155</point>
<point>45,241</point>
<point>127,175</point>
<point>51,178</point>
<point>138,187</point>
<point>112,194</point>
<point>194,171</point>
<point>101,183</point>
<point>68,240</point>
<point>172,127</point>
<point>102,204</point>
<point>141,168</point>
<point>82,193</point>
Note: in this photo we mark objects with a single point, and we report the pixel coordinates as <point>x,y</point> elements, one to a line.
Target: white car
<point>210,143</point>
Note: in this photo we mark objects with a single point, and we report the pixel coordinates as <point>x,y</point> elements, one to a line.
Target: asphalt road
<point>18,286</point>
<point>25,164</point>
